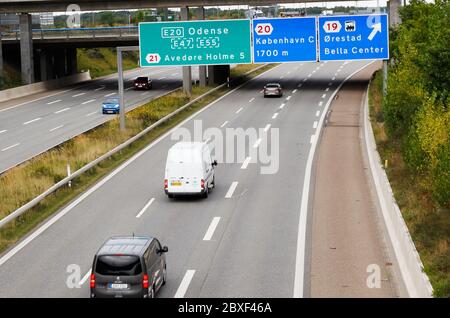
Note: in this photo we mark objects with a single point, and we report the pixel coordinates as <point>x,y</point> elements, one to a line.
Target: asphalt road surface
<point>31,125</point>
<point>242,241</point>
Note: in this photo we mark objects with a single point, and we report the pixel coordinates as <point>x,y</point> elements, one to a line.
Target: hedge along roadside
<point>20,211</point>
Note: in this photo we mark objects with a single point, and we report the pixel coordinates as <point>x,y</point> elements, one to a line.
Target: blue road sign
<point>284,40</point>
<point>355,37</point>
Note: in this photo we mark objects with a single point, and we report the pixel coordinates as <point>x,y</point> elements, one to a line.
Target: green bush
<point>441,174</point>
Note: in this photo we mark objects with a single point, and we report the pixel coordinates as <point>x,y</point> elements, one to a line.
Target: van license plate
<point>118,286</point>
<point>176,183</point>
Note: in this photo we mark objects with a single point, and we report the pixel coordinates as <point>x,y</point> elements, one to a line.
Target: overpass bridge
<point>54,50</point>
<point>26,36</point>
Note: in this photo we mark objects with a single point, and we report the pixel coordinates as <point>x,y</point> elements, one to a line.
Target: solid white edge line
<point>145,208</point>
<point>181,291</point>
<point>231,189</point>
<point>85,277</point>
<point>246,162</point>
<point>303,218</point>
<point>212,227</point>
<point>95,187</point>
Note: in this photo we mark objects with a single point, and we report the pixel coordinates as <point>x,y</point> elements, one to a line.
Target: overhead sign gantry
<point>213,42</point>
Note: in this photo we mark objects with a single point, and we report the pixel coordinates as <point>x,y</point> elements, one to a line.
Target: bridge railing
<point>72,33</point>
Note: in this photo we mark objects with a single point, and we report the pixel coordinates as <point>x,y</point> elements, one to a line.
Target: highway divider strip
<point>112,152</point>
<point>416,281</point>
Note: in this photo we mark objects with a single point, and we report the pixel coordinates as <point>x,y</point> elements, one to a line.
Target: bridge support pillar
<point>72,65</point>
<point>218,74</point>
<point>187,74</point>
<point>393,6</point>
<point>60,63</point>
<point>1,57</point>
<point>26,49</point>
<point>43,65</point>
<point>201,68</point>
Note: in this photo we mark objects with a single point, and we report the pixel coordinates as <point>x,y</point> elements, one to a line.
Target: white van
<point>189,169</point>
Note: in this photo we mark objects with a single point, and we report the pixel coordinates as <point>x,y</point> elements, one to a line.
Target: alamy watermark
<point>237,144</point>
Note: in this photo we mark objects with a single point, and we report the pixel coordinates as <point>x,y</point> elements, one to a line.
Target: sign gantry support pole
<point>187,74</point>
<point>120,82</point>
<point>201,68</point>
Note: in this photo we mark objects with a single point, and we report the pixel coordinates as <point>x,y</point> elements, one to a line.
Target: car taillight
<point>202,184</point>
<point>166,183</point>
<point>92,281</point>
<point>145,281</point>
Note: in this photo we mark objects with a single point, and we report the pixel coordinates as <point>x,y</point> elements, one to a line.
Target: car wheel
<point>205,194</point>
<point>170,195</point>
<point>214,182</point>
<point>164,275</point>
<point>151,292</point>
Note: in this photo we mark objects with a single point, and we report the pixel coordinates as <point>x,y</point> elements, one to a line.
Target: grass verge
<point>24,182</point>
<point>428,223</point>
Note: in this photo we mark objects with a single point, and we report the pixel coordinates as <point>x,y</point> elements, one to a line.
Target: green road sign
<point>195,43</point>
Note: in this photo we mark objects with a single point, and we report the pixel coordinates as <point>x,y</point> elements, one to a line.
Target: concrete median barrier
<point>40,87</point>
<point>416,281</point>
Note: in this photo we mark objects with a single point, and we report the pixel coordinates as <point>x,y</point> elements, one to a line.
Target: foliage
<point>416,108</point>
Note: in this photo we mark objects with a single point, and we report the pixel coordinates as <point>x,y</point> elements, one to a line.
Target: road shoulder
<point>348,245</point>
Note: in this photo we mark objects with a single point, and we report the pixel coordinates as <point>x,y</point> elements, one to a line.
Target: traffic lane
<point>263,223</point>
<point>42,108</point>
<point>346,237</point>
<point>68,121</point>
<point>114,207</point>
<point>42,134</point>
<point>74,228</point>
<point>261,231</point>
<point>108,211</point>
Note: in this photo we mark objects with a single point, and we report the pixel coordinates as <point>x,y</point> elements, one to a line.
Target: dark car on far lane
<point>132,267</point>
<point>142,82</point>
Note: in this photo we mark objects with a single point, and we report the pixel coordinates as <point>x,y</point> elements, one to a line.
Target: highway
<point>242,241</point>
<point>34,124</point>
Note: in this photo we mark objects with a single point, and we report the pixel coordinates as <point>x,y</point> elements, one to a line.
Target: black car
<point>129,267</point>
<point>142,82</point>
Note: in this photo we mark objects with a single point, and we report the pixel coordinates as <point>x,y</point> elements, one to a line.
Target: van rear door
<point>119,275</point>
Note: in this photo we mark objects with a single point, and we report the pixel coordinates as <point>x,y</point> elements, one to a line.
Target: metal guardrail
<point>75,33</point>
<point>110,153</point>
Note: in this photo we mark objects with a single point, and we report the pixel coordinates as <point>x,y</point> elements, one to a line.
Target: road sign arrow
<point>375,29</point>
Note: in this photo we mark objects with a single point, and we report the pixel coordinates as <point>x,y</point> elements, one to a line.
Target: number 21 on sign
<point>153,58</point>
